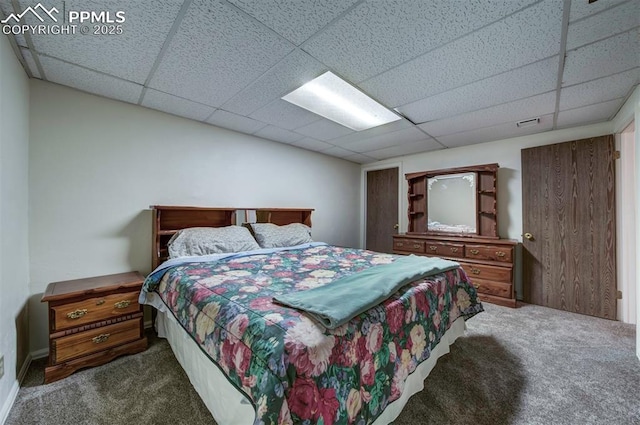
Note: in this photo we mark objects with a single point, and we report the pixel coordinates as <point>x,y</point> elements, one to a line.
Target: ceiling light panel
<point>333,98</point>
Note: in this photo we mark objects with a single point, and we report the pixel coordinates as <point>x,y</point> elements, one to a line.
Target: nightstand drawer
<point>444,249</point>
<point>94,309</point>
<point>490,252</point>
<point>98,339</point>
<point>485,272</point>
<point>409,245</point>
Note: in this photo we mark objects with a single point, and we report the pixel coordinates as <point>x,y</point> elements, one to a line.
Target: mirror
<point>459,201</point>
<point>451,201</point>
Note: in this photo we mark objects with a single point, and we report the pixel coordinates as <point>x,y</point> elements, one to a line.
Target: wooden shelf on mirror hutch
<point>487,259</point>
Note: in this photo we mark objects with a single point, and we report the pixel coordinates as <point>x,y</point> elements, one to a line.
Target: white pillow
<point>270,235</point>
<point>211,240</point>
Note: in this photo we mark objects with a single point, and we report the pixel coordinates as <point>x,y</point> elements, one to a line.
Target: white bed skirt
<point>230,407</point>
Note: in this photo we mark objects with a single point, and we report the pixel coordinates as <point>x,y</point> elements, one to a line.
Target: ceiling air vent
<point>528,123</point>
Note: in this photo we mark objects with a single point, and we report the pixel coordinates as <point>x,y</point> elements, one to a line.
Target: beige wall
<point>97,164</point>
<point>14,250</point>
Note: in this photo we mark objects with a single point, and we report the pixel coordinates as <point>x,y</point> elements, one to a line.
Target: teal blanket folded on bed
<point>337,302</point>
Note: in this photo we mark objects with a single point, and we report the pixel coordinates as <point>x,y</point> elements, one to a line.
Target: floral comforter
<point>291,368</point>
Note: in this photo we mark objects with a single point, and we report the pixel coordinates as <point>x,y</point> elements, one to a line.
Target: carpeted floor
<point>531,365</point>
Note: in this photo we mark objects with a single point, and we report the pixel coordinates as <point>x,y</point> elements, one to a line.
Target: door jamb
<point>363,196</point>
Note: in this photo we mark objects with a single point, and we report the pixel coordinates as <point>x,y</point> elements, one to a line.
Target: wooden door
<point>568,211</point>
<point>382,209</point>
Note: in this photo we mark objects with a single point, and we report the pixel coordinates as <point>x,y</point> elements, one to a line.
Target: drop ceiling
<point>459,72</point>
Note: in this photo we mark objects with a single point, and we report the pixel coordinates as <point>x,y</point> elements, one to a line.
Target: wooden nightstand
<point>92,321</point>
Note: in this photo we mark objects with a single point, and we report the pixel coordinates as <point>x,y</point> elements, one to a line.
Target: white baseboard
<point>24,368</point>
<point>8,404</point>
<point>38,354</point>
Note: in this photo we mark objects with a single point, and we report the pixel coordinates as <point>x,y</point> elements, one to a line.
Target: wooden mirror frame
<point>486,200</point>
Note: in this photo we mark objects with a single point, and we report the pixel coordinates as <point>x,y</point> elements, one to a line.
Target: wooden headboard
<point>167,220</point>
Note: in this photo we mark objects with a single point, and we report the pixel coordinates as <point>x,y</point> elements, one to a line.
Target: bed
<point>255,360</point>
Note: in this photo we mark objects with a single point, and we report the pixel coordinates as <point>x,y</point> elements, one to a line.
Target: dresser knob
<point>122,304</point>
<point>475,271</point>
<point>474,251</point>
<point>454,249</point>
<point>77,313</point>
<point>500,254</point>
<point>100,338</point>
<point>433,248</point>
<point>416,246</point>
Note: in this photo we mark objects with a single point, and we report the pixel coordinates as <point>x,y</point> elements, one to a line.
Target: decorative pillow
<point>270,235</point>
<point>211,240</point>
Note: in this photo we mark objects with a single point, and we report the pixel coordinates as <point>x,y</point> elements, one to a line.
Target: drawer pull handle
<point>475,271</point>
<point>416,246</point>
<point>99,302</point>
<point>122,304</point>
<point>77,313</point>
<point>477,285</point>
<point>100,338</point>
<point>500,254</point>
<point>433,247</point>
<point>474,251</point>
<point>399,244</point>
<point>454,249</point>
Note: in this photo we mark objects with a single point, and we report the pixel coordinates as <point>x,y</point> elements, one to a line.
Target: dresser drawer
<point>408,245</point>
<point>444,249</point>
<point>94,340</point>
<point>485,272</point>
<point>93,310</point>
<point>499,289</point>
<point>490,252</point>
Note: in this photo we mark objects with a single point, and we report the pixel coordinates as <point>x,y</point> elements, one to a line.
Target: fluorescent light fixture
<point>335,99</point>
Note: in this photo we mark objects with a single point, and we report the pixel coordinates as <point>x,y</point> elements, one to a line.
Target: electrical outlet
<point>1,366</point>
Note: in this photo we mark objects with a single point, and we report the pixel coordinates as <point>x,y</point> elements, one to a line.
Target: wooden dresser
<point>488,262</point>
<point>92,321</point>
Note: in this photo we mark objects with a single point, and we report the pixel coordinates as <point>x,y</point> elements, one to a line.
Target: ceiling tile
<point>406,149</point>
<point>235,122</point>
<point>129,55</point>
<point>612,21</point>
<point>382,35</point>
<point>339,152</point>
<point>600,90</point>
<point>324,129</point>
<point>407,135</point>
<point>313,144</point>
<point>7,8</point>
<point>589,114</point>
<point>31,63</point>
<point>506,113</point>
<point>176,105</point>
<point>216,52</point>
<point>278,134</point>
<point>292,72</point>
<point>90,81</point>
<point>360,159</point>
<point>375,131</point>
<point>295,20</point>
<point>606,57</point>
<point>284,115</point>
<point>524,82</point>
<point>498,132</point>
<point>518,40</point>
<point>581,9</point>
